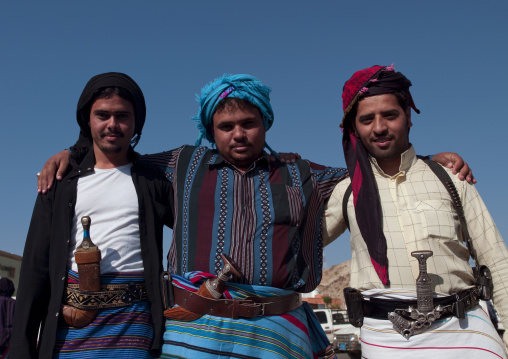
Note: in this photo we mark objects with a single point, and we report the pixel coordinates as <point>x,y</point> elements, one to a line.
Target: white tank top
<point>109,198</point>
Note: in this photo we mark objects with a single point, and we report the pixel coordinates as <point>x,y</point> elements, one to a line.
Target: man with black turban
<point>128,204</point>
<point>397,206</point>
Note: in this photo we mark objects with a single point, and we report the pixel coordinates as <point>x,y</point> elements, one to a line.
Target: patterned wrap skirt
<point>296,334</point>
<point>124,332</point>
<point>472,337</point>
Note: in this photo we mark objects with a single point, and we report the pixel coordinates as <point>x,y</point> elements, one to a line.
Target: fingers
<point>59,162</point>
<point>62,168</point>
<point>466,173</point>
<point>461,168</point>
<point>456,164</point>
<point>289,157</point>
<point>45,179</point>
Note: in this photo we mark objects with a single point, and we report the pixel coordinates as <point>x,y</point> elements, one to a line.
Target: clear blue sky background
<point>454,52</point>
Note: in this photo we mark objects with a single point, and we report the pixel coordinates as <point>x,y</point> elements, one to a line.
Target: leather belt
<point>110,296</point>
<point>379,308</point>
<point>249,307</point>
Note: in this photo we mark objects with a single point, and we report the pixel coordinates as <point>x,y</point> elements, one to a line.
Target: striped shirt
<point>418,215</point>
<point>268,219</point>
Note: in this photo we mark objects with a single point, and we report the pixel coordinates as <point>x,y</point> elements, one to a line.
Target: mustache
<point>382,138</point>
<point>240,142</point>
<point>112,133</point>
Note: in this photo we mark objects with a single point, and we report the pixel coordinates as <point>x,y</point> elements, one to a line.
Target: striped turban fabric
<point>372,81</point>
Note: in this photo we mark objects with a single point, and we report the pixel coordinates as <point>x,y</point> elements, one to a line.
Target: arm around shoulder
<point>334,223</point>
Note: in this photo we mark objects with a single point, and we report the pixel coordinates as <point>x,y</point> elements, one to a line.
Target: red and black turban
<point>375,80</point>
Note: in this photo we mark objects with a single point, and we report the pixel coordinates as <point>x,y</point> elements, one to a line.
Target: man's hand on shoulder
<point>286,157</point>
<point>56,164</point>
<point>457,164</point>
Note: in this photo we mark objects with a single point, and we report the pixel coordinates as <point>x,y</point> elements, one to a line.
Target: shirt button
<point>67,241</point>
<point>70,204</point>
<point>56,315</point>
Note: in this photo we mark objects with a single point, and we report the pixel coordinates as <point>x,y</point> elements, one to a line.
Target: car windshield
<point>321,317</point>
<point>338,318</point>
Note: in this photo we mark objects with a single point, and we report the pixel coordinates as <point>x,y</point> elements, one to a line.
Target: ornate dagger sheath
<point>88,258</point>
<point>410,321</point>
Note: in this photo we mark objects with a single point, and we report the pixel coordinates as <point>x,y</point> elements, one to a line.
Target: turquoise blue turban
<point>243,87</point>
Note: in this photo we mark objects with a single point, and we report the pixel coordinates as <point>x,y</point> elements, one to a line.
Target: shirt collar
<point>407,159</point>
<point>218,160</point>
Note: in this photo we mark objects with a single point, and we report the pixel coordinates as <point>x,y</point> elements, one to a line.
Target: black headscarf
<point>96,83</point>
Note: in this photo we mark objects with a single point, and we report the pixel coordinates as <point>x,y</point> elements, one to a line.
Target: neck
<point>390,167</point>
<point>110,160</point>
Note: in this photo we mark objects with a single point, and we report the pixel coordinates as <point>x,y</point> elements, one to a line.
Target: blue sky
<point>454,52</point>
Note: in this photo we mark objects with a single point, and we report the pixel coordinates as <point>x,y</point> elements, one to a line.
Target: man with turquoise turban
<point>265,215</point>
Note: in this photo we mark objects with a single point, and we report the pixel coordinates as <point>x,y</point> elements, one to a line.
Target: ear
<point>408,116</point>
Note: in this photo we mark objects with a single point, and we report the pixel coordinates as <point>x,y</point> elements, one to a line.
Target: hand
<point>457,164</point>
<point>45,178</point>
<point>286,157</point>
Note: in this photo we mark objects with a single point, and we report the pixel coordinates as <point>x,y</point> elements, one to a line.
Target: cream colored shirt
<point>418,215</point>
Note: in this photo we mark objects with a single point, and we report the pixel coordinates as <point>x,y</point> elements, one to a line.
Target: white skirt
<point>472,337</point>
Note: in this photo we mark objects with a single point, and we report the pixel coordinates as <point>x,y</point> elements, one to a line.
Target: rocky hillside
<point>335,279</point>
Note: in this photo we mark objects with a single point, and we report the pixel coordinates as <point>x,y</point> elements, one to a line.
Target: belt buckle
<point>132,292</point>
<point>262,311</point>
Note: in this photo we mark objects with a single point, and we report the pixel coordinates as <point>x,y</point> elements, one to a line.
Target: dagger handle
<point>424,293</point>
<point>88,259</point>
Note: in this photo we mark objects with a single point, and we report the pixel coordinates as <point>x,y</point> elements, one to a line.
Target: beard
<point>108,147</point>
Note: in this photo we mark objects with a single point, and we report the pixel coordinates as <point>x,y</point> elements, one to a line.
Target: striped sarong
<point>125,332</point>
<point>296,334</point>
<point>450,337</point>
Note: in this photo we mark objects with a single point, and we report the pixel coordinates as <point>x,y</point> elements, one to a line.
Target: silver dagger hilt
<point>424,293</point>
<point>216,285</point>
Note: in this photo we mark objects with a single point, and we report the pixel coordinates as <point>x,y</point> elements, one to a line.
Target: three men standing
<point>265,215</point>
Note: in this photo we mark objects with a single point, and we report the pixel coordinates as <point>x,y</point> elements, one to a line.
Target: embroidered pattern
<point>221,232</point>
<point>188,184</point>
<point>265,208</point>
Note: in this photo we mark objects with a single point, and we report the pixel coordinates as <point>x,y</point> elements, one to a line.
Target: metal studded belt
<point>455,305</point>
<point>110,296</point>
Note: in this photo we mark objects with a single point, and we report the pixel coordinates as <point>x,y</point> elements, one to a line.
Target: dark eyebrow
<point>390,112</point>
<point>366,116</point>
<point>115,112</point>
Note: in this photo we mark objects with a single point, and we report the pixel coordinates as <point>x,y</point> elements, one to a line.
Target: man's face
<point>239,134</point>
<point>383,127</point>
<point>112,124</point>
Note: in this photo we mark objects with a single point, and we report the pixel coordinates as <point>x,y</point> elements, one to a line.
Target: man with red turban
<point>397,209</point>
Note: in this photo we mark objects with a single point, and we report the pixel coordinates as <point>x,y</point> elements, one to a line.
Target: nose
<point>112,122</point>
<point>379,127</point>
<point>238,133</point>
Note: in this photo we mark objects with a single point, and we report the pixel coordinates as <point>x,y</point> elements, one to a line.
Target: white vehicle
<point>343,336</point>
